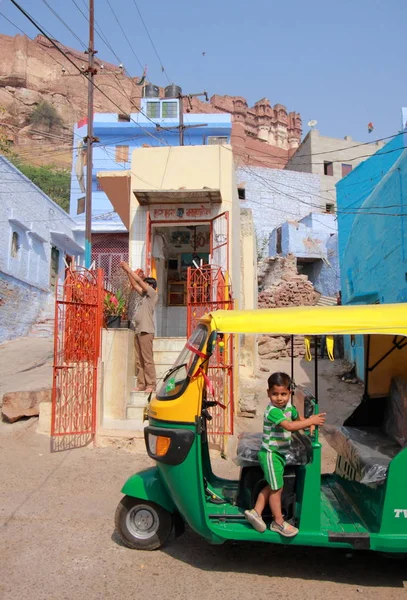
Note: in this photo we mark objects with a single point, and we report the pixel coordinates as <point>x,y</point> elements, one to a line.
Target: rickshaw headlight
<point>158,444</point>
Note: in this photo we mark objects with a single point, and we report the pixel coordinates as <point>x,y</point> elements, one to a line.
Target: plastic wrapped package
<point>368,450</point>
<point>395,418</point>
<point>249,444</point>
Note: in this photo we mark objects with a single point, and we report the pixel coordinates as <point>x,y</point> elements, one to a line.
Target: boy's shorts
<point>273,464</point>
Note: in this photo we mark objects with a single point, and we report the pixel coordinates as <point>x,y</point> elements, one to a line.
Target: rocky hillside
<point>32,71</point>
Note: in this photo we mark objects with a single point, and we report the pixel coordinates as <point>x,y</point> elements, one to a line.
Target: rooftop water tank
<point>172,91</point>
<point>151,91</point>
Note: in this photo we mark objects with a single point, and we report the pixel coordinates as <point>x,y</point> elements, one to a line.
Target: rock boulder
<point>23,404</point>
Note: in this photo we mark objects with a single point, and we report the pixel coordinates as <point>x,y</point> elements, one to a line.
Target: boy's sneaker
<point>285,529</point>
<point>255,520</point>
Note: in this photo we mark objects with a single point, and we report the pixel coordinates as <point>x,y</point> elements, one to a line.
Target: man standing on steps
<point>143,321</point>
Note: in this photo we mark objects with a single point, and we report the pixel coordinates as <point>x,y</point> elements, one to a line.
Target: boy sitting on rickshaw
<point>280,419</point>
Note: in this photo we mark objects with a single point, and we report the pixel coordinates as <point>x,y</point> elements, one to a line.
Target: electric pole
<point>89,139</point>
<point>181,125</point>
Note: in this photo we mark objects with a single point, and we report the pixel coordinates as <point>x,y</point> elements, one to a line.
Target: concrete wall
<point>373,232</point>
<point>274,196</point>
<point>316,149</point>
<point>39,224</point>
<point>118,364</point>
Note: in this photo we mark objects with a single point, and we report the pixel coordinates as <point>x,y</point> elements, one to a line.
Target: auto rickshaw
<point>361,505</point>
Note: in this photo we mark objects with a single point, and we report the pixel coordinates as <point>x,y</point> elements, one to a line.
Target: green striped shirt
<point>275,438</point>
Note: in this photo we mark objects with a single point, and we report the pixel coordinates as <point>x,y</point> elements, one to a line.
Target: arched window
<point>15,244</point>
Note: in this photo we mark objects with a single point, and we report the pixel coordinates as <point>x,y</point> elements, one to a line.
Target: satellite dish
<point>312,123</point>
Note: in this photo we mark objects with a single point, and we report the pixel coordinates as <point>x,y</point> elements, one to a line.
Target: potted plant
<point>114,305</point>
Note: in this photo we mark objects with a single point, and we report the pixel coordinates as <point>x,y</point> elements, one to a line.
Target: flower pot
<point>113,322</point>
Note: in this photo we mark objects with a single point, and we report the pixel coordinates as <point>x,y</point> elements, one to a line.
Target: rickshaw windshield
<point>177,378</point>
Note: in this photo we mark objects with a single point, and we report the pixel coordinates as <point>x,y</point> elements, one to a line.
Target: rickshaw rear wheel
<point>142,525</point>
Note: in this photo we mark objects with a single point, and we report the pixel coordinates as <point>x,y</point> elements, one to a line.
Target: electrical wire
<point>98,31</point>
<point>151,40</point>
<point>124,33</point>
<point>51,40</point>
<point>61,20</point>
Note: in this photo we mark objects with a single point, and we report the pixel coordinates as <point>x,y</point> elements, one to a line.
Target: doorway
<point>54,267</point>
<point>174,248</point>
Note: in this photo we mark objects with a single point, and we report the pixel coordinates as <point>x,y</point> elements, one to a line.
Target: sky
<point>342,63</point>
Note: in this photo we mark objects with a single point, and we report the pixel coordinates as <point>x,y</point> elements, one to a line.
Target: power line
<point>98,30</point>
<point>50,39</point>
<point>151,40</point>
<point>61,20</point>
<point>124,33</point>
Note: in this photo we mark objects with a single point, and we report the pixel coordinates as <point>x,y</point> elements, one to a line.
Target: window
<point>15,244</point>
<point>213,140</point>
<point>242,193</point>
<point>170,110</point>
<point>81,206</point>
<point>328,168</point>
<point>177,378</point>
<point>346,169</point>
<point>122,154</point>
<point>330,208</point>
<point>153,110</point>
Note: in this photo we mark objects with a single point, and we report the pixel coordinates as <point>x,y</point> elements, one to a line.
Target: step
<point>123,425</point>
<point>165,357</point>
<point>171,344</point>
<point>138,399</point>
<point>135,413</point>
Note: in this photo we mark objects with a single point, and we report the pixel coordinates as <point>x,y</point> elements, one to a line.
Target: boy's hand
<point>125,266</point>
<point>318,419</point>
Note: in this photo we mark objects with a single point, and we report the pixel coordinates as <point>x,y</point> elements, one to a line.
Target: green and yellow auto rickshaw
<point>361,505</point>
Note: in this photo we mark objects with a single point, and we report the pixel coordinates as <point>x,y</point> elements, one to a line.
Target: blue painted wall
<point>372,228</point>
<point>139,131</point>
<point>313,239</point>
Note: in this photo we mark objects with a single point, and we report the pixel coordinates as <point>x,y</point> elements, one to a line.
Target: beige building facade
<point>331,159</point>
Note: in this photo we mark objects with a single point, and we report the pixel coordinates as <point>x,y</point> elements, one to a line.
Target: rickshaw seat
<point>369,450</point>
<point>249,445</point>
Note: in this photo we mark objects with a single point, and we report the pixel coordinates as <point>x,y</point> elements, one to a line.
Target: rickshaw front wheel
<point>141,524</point>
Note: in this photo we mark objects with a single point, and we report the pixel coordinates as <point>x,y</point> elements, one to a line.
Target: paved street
<point>57,541</point>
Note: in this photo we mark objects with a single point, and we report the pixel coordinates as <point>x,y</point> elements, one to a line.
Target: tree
<point>45,114</point>
<point>53,181</point>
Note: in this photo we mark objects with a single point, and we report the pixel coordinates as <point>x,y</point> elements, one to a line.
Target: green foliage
<point>53,181</point>
<point>45,114</point>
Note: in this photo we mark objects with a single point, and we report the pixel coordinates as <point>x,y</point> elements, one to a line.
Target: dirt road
<point>57,541</point>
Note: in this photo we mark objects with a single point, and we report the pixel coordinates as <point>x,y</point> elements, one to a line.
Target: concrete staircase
<point>166,351</point>
<point>44,325</point>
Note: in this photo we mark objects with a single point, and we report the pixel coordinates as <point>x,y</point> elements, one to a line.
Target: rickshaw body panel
<point>148,485</point>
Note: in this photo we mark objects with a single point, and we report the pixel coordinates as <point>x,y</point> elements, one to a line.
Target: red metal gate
<point>208,289</point>
<point>77,338</point>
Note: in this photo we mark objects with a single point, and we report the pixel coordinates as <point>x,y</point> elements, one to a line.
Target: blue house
<point>118,136</point>
<point>372,231</point>
<point>313,241</point>
<point>38,239</point>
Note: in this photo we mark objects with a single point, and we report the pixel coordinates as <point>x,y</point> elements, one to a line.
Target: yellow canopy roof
<point>314,320</point>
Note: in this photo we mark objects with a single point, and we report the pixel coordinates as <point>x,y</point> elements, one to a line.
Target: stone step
<point>135,413</point>
<point>125,425</point>
<point>170,344</point>
<point>138,399</point>
<point>165,357</point>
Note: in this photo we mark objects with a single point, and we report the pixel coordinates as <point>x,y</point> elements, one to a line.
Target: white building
<point>331,159</point>
<point>37,240</point>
